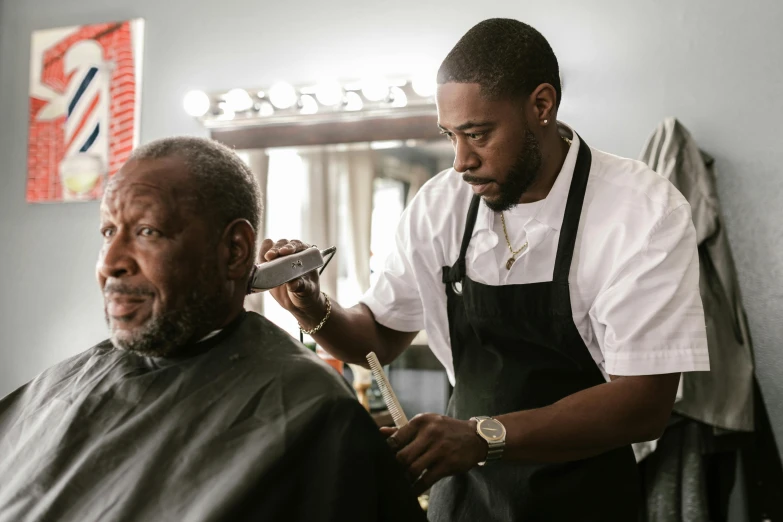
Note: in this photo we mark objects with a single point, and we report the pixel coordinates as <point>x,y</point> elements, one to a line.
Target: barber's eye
<point>475,135</point>
<point>448,134</point>
<point>107,232</point>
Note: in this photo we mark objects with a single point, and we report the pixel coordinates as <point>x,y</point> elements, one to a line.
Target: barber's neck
<point>553,154</point>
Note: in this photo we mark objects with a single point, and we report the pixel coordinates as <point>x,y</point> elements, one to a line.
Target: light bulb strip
<point>325,101</point>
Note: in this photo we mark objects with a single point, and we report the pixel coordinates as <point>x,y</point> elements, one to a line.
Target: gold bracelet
<point>321,324</point>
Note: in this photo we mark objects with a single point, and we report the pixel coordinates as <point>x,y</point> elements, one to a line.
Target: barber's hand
<point>438,444</point>
<point>300,295</point>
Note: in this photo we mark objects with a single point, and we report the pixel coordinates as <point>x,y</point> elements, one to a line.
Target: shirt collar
<point>552,211</point>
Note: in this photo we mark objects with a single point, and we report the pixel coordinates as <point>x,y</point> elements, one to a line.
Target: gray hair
<point>224,185</point>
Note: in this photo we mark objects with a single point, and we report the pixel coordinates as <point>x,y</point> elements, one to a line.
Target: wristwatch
<point>492,431</point>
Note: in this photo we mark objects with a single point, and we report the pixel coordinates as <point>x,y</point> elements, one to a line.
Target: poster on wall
<point>84,108</point>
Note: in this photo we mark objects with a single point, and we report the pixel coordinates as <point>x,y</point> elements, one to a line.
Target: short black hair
<point>505,57</point>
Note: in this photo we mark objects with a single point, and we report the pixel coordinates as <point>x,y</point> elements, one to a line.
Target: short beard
<point>164,335</point>
<point>520,176</point>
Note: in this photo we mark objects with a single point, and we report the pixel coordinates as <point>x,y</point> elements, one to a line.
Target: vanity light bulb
<point>399,98</point>
<point>227,114</point>
<point>375,89</point>
<point>196,103</point>
<point>265,109</point>
<point>353,102</point>
<point>282,95</point>
<point>309,105</point>
<point>329,93</point>
<point>238,100</point>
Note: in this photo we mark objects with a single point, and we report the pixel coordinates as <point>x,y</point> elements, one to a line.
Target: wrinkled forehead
<point>160,184</point>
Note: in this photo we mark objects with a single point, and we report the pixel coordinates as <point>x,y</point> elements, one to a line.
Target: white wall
<point>714,64</point>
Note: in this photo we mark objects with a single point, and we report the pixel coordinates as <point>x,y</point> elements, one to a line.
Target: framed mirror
<point>345,179</point>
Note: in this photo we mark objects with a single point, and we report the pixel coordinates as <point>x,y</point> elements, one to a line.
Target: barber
<point>558,285</point>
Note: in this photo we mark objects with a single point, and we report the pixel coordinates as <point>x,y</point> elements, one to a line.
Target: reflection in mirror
<point>348,195</point>
<point>343,177</point>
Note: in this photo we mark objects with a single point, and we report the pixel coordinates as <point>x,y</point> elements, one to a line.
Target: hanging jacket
<point>722,397</point>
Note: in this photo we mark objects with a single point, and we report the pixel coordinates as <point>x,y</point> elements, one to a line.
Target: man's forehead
<point>164,182</point>
<point>460,103</point>
<point>138,194</point>
<point>460,90</point>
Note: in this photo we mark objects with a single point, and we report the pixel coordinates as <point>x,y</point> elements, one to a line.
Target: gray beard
<point>164,335</point>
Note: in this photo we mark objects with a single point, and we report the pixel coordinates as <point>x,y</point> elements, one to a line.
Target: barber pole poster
<point>84,108</point>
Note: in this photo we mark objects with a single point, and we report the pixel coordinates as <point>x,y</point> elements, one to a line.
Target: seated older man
<point>194,409</point>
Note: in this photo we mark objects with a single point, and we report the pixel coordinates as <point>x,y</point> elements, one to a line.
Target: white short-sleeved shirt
<point>634,277</point>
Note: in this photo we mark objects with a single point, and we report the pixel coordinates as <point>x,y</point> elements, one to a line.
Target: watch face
<point>492,430</point>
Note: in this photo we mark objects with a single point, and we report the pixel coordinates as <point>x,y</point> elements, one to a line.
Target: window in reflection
<point>388,204</point>
<point>285,194</point>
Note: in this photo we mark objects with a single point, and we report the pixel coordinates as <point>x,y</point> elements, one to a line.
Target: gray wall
<point>626,65</point>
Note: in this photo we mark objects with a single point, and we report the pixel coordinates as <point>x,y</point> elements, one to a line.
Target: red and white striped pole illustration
<point>84,108</point>
<point>87,98</point>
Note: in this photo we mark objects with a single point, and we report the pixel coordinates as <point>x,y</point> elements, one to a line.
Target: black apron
<point>516,347</point>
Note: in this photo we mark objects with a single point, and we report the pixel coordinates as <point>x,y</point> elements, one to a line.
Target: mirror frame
<point>301,132</point>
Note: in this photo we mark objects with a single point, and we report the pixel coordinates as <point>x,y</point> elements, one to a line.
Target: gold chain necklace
<point>514,253</point>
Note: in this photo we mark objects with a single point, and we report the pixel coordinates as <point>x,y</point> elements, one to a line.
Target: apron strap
<point>457,272</point>
<point>573,210</point>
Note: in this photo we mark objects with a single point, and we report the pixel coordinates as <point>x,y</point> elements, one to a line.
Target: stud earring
<point>546,122</point>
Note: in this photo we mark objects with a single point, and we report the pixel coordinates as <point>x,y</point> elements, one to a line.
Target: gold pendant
<point>510,262</point>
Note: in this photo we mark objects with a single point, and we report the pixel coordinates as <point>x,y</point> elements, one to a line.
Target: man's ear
<point>543,100</point>
<point>239,238</point>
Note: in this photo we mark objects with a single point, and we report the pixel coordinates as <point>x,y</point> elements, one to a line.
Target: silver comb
<point>392,404</point>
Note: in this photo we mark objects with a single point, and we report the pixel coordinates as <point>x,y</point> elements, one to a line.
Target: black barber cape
<point>252,427</point>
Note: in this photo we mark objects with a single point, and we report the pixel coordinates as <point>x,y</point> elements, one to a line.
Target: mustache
<point>469,178</point>
<point>126,289</point>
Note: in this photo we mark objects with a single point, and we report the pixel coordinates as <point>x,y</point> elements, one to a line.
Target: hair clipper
<point>280,271</point>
